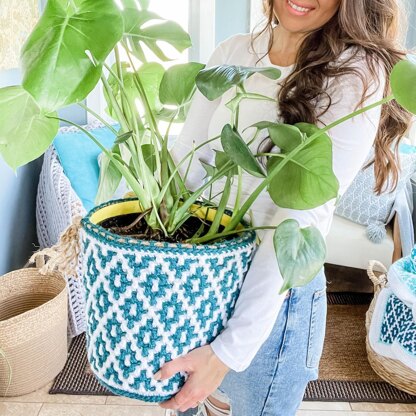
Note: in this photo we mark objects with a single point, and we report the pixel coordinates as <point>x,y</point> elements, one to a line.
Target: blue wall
<point>18,197</point>
<point>231,17</point>
<point>411,37</point>
<point>17,204</point>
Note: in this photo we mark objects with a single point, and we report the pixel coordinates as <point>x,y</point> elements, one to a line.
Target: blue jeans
<point>275,381</point>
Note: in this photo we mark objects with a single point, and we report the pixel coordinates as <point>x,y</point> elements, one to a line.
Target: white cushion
<point>348,245</point>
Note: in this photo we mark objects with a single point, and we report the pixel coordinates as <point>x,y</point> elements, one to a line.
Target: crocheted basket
<point>149,302</point>
<point>391,370</point>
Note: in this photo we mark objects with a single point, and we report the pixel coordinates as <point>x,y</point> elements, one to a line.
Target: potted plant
<point>163,270</point>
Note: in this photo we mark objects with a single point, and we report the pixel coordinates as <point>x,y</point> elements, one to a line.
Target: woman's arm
<point>259,302</point>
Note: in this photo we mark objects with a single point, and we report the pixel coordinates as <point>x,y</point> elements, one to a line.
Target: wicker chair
<point>56,205</point>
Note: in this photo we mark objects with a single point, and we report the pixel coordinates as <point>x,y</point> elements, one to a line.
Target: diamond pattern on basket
<point>146,307</point>
<point>407,338</point>
<point>395,315</point>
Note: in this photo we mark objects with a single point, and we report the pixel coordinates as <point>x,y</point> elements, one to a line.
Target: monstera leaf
<point>300,253</point>
<point>215,81</point>
<point>148,28</point>
<point>308,180</point>
<point>25,130</point>
<point>57,64</point>
<point>403,83</point>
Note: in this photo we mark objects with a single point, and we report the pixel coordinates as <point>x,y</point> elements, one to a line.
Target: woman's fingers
<point>170,368</point>
<point>187,397</point>
<point>205,371</point>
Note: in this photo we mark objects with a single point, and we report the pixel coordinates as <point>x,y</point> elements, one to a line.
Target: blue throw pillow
<point>78,155</point>
<point>361,205</point>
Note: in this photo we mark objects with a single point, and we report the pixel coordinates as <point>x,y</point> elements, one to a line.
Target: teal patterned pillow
<point>360,204</point>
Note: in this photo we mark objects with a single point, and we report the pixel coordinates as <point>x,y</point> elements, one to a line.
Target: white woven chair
<point>56,205</point>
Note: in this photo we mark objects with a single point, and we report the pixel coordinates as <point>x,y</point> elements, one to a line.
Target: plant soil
<point>133,225</point>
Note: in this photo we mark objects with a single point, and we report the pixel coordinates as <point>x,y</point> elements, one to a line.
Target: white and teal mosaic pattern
<point>396,315</point>
<point>393,325</point>
<point>147,304</point>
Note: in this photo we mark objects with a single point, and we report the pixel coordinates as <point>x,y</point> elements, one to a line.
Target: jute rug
<point>345,374</point>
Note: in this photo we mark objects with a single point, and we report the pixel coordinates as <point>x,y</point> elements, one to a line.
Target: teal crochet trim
<point>105,236</point>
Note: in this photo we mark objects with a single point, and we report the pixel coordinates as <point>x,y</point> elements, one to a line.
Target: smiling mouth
<point>297,8</point>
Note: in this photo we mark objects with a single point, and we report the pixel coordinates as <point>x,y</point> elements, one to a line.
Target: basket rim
<point>105,236</point>
<point>40,308</point>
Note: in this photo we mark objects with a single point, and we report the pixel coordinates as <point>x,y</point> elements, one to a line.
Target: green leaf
<point>169,114</point>
<point>139,30</point>
<point>238,151</point>
<point>151,75</point>
<point>123,137</point>
<point>25,131</point>
<point>403,84</point>
<point>110,177</point>
<point>261,125</point>
<point>235,102</point>
<point>300,253</point>
<point>144,4</point>
<point>57,70</point>
<point>215,81</point>
<point>178,84</point>
<point>308,181</point>
<point>149,156</point>
<point>221,158</point>
<point>285,136</point>
<point>126,77</point>
<point>210,170</point>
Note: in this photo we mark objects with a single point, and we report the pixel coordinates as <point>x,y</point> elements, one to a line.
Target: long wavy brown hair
<point>366,27</point>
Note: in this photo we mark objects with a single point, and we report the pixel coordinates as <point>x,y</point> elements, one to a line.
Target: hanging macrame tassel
<point>63,256</point>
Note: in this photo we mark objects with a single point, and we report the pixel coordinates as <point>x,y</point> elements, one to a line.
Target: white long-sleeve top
<point>259,303</point>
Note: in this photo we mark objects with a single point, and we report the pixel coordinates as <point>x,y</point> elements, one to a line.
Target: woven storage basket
<point>150,302</point>
<point>33,330</point>
<point>393,371</point>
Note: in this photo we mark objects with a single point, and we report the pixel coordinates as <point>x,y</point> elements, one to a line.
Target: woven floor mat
<point>345,374</point>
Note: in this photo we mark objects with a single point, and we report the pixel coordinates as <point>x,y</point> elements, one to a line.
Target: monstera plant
<point>66,56</point>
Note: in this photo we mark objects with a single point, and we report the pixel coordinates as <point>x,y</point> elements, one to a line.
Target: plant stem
<point>283,157</point>
<point>195,195</point>
<point>152,122</point>
<point>98,117</point>
<point>221,207</point>
<point>208,238</point>
<point>189,154</point>
<point>239,191</point>
<point>114,103</point>
<point>350,116</point>
<point>143,96</point>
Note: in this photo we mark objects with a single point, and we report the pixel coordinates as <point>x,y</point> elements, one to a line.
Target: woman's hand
<point>206,372</point>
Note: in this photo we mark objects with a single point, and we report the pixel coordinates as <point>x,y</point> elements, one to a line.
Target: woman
<point>334,55</point>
